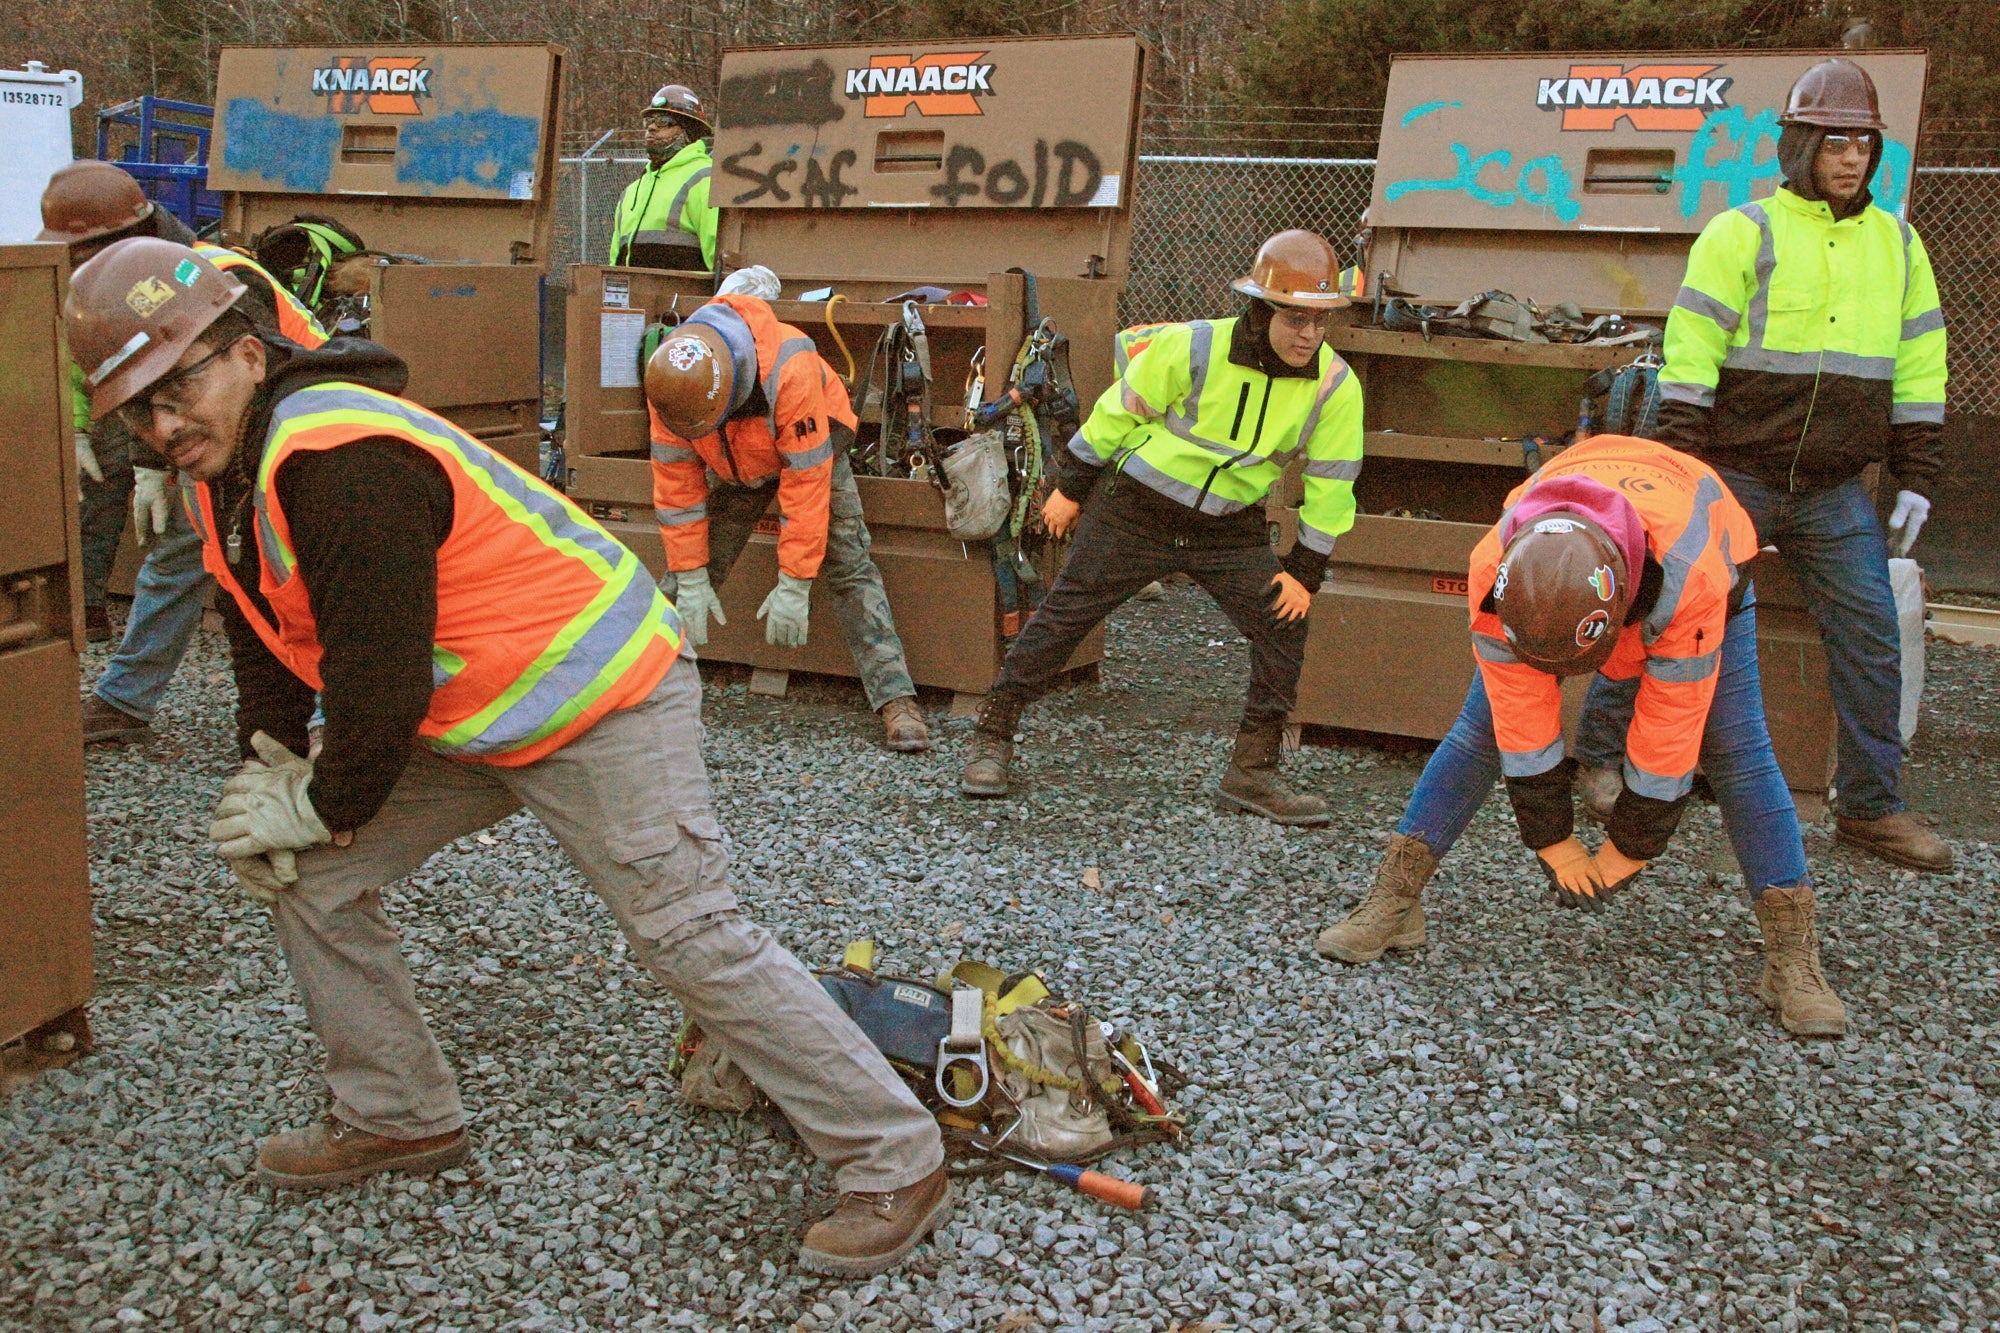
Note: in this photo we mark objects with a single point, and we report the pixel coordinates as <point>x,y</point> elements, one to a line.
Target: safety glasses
<point>1296,320</point>
<point>169,391</point>
<point>1838,145</point>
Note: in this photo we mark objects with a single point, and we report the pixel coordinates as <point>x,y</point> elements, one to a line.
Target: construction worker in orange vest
<point>1619,557</point>
<point>739,401</point>
<point>480,645</point>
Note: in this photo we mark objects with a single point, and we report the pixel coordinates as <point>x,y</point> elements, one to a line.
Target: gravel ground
<point>1539,1122</point>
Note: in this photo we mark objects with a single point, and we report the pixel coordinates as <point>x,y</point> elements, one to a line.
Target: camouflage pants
<point>848,572</point>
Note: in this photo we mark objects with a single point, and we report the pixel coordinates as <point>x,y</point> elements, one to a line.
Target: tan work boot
<point>988,759</point>
<point>1392,915</point>
<point>1900,839</point>
<point>108,724</point>
<point>903,726</point>
<point>870,1233</point>
<point>1793,983</point>
<point>1252,782</point>
<point>1598,789</point>
<point>333,1152</point>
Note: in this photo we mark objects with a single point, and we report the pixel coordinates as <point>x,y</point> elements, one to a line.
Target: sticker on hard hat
<point>1604,583</point>
<point>147,295</point>
<point>1555,525</point>
<point>1500,583</point>
<point>186,272</point>
<point>1591,628</point>
<point>118,358</point>
<point>684,353</point>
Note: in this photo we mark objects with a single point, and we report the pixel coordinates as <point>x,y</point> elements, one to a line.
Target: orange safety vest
<point>790,441</point>
<point>545,622</point>
<point>1697,533</point>
<point>295,322</point>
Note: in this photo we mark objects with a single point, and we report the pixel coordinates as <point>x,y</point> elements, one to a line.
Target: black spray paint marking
<point>801,95</point>
<point>766,181</point>
<point>1076,177</point>
<point>825,189</point>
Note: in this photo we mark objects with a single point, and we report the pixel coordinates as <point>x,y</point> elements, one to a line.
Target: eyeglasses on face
<point>1838,145</point>
<point>170,392</point>
<point>1304,321</point>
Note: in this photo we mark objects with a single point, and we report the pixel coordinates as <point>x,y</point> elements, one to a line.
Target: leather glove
<point>149,503</point>
<point>86,460</point>
<point>1616,869</point>
<point>265,808</point>
<point>1290,599</point>
<point>696,601</point>
<point>1059,514</point>
<point>1573,875</point>
<point>787,607</point>
<point>263,878</point>
<point>755,280</point>
<point>1906,520</point>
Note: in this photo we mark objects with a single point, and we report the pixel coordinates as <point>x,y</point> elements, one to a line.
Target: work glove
<point>1573,875</point>
<point>787,607</point>
<point>263,878</point>
<point>1906,520</point>
<point>696,601</point>
<point>755,280</point>
<point>86,461</point>
<point>1059,514</point>
<point>1290,599</point>
<point>1616,869</point>
<point>149,503</point>
<point>264,808</point>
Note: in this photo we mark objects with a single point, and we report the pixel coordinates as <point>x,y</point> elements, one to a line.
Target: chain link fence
<point>1200,218</point>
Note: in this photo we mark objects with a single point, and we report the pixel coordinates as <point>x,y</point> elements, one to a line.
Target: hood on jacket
<point>1798,149</point>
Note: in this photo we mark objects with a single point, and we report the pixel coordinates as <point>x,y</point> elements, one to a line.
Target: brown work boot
<point>1900,839</point>
<point>903,726</point>
<point>1392,915</point>
<point>1252,782</point>
<point>987,760</point>
<point>1793,983</point>
<point>96,625</point>
<point>870,1233</point>
<point>333,1152</point>
<point>108,724</point>
<point>1598,789</point>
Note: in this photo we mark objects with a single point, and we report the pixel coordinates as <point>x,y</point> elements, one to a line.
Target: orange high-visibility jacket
<point>789,441</point>
<point>1697,533</point>
<point>545,622</point>
<point>294,320</point>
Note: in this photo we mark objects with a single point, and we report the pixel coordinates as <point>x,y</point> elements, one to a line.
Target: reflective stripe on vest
<point>295,322</point>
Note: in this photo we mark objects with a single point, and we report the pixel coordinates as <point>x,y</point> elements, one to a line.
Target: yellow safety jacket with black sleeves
<point>664,210</point>
<point>1189,422</point>
<point>1802,347</point>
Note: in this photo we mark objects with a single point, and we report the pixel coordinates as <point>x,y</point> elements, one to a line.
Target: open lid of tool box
<point>1586,178</point>
<point>447,151</point>
<point>936,162</point>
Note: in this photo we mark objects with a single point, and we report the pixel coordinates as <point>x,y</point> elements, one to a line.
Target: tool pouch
<point>976,500</point>
<point>905,1019</point>
<point>710,1079</point>
<point>1053,1122</point>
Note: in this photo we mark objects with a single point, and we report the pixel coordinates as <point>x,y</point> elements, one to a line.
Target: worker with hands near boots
<point>1806,344</point>
<point>1170,474</point>
<point>740,402</point>
<point>1618,557</point>
<point>664,218</point>
<point>480,645</point>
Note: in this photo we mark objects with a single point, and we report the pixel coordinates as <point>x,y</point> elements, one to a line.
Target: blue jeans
<point>167,601</point>
<point>1832,542</point>
<point>1757,810</point>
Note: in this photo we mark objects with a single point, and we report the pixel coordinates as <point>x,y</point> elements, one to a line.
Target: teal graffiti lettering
<point>1467,179</point>
<point>1555,193</point>
<point>1738,171</point>
<point>1891,186</point>
<point>1416,112</point>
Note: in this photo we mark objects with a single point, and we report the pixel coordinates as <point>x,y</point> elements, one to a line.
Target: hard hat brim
<point>1303,300</point>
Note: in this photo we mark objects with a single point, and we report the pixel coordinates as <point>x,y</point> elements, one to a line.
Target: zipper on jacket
<point>1242,401</point>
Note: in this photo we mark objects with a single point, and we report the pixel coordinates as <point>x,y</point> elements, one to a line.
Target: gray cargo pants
<point>629,801</point>
<point>848,571</point>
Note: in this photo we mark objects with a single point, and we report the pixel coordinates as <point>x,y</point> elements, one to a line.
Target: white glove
<point>149,503</point>
<point>787,607</point>
<point>756,281</point>
<point>86,460</point>
<point>1907,519</point>
<point>263,878</point>
<point>265,808</point>
<point>696,601</point>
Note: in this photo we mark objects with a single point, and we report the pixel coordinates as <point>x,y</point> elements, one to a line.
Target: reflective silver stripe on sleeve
<point>1679,560</point>
<point>1657,786</point>
<point>1917,326</point>
<point>1680,391</point>
<point>673,453</point>
<point>1336,375</point>
<point>806,458</point>
<point>1314,540</point>
<point>1531,763</point>
<point>1334,469</point>
<point>1899,413</point>
<point>1493,648</point>
<point>1697,302</point>
<point>677,518</point>
<point>680,201</point>
<point>1683,670</point>
<point>787,349</point>
<point>1081,448</point>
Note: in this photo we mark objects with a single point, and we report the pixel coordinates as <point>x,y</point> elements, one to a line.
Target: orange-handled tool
<point>1142,1092</point>
<point>1123,1193</point>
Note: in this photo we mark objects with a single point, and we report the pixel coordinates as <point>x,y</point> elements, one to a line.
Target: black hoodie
<point>366,521</point>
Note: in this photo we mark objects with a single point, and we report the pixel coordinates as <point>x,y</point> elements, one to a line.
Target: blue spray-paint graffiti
<point>295,151</point>
<point>482,148</point>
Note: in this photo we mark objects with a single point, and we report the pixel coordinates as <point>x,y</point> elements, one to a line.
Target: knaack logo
<point>383,85</point>
<point>1651,97</point>
<point>944,84</point>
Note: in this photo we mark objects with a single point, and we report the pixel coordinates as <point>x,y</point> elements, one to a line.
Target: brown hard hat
<point>134,309</point>
<point>682,103</point>
<point>1562,594</point>
<point>1835,94</point>
<point>690,380</point>
<point>89,199</point>
<point>1294,268</point>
